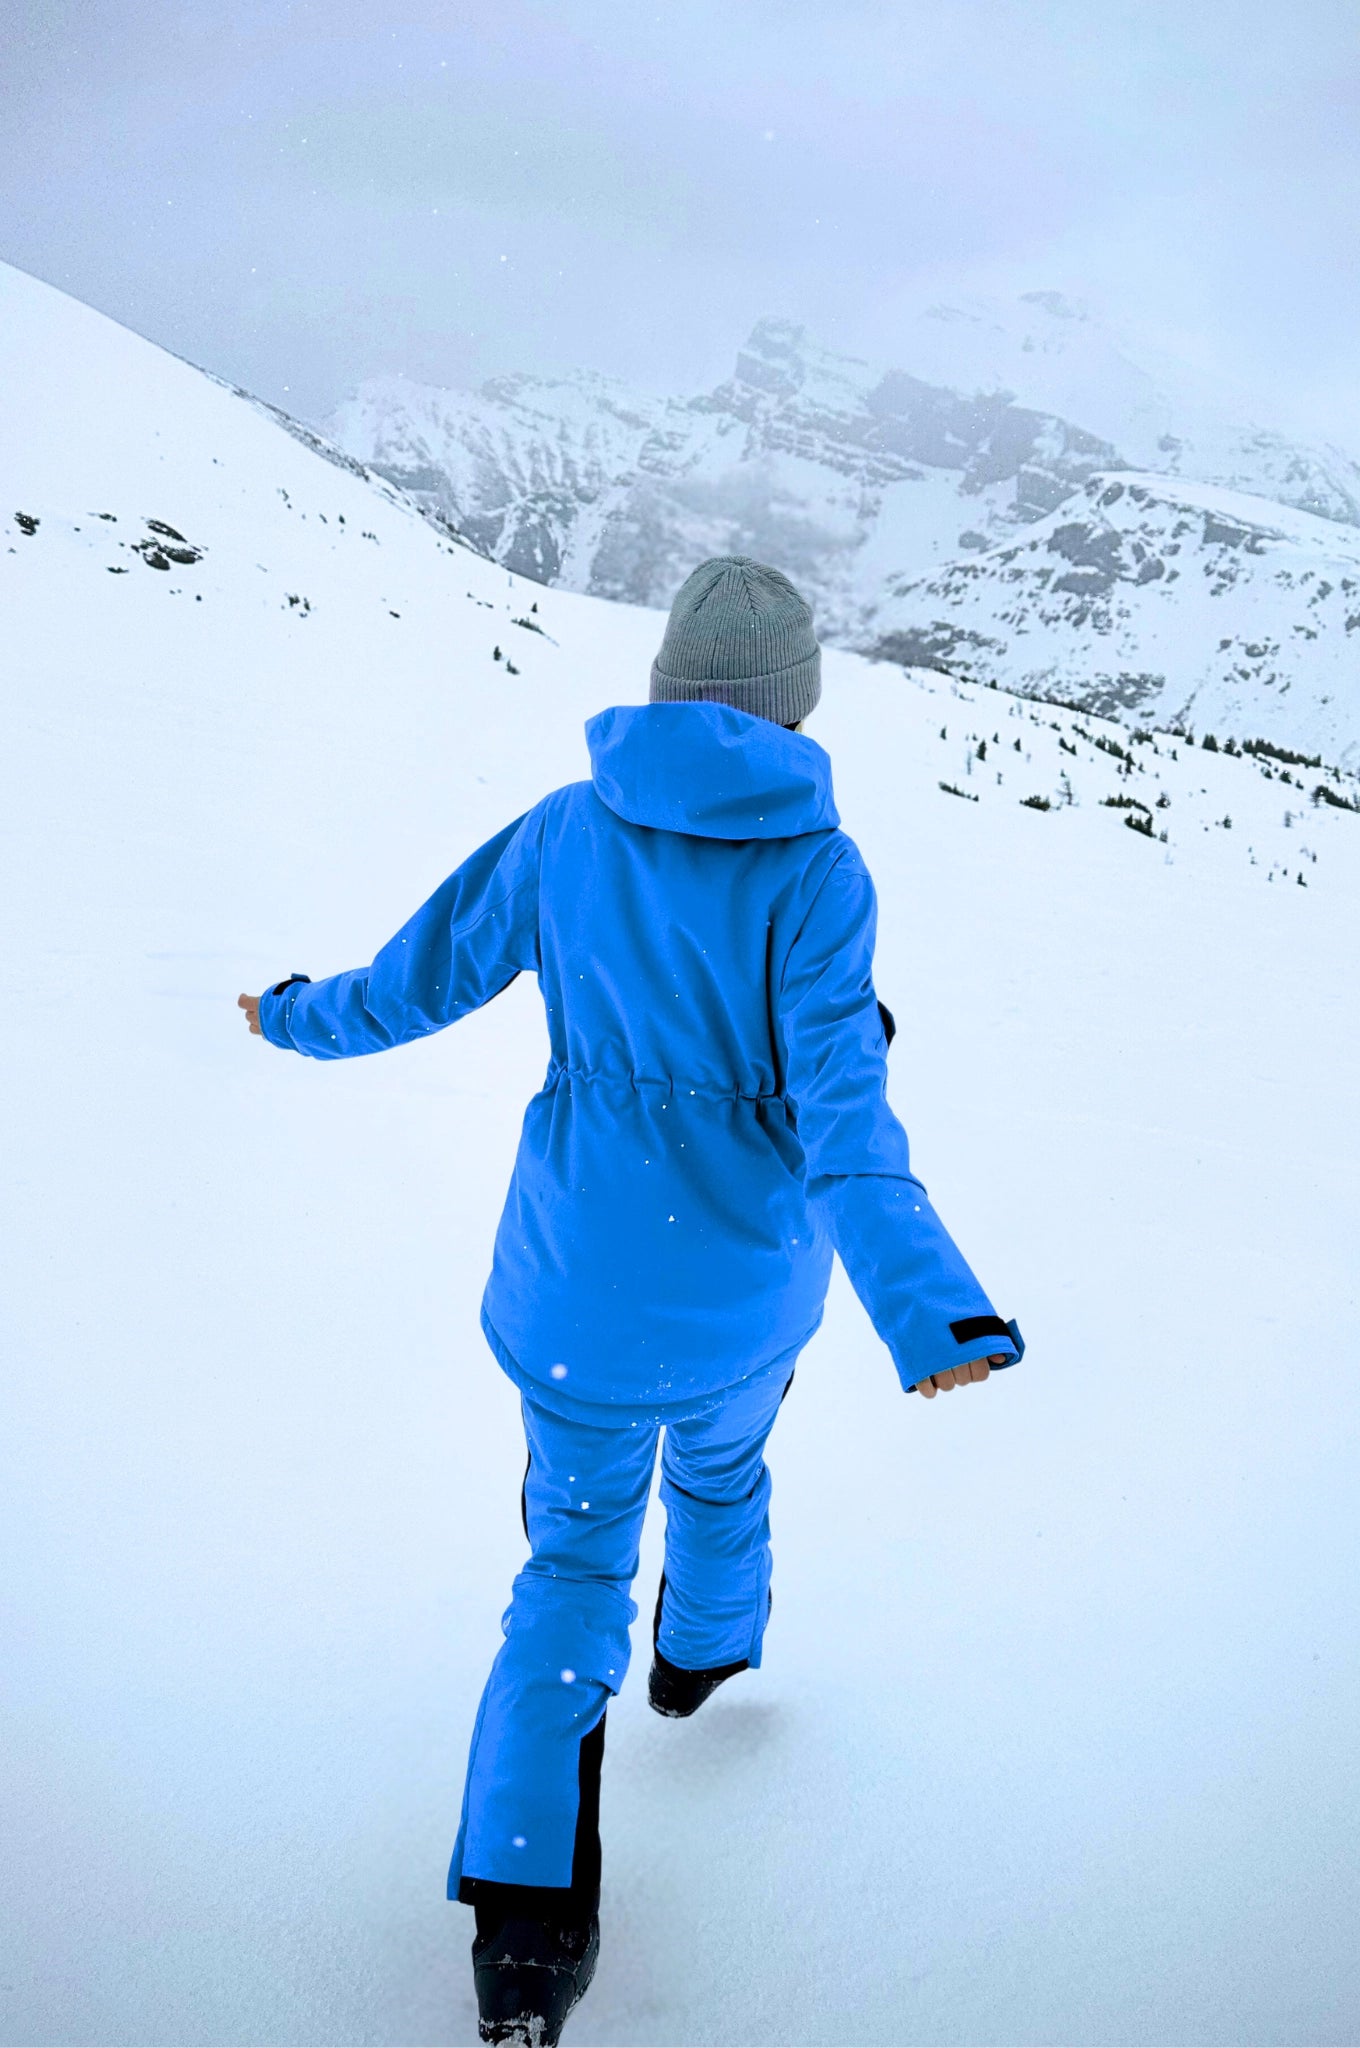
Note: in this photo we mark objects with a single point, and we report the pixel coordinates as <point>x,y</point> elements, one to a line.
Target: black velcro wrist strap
<point>973,1327</point>
<point>280,986</point>
<point>978,1326</point>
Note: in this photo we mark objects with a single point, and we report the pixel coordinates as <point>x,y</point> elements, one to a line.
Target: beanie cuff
<point>784,695</point>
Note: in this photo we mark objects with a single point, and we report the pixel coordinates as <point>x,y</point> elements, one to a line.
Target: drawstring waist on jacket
<point>665,1084</point>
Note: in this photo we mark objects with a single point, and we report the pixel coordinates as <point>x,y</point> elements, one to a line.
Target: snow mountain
<point>1168,603</point>
<point>831,468</point>
<point>259,1475</point>
<point>860,479</point>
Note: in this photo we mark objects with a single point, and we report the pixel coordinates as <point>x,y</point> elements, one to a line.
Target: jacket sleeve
<point>919,1291</point>
<point>468,942</point>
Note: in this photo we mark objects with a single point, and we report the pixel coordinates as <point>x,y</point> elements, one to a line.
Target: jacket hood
<point>709,770</point>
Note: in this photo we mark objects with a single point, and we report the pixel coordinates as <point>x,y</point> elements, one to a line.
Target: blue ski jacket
<point>713,1122</point>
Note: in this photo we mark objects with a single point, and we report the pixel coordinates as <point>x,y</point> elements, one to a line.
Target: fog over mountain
<point>886,489</point>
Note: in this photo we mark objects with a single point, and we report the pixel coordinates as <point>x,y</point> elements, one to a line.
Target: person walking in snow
<point>713,1125</point>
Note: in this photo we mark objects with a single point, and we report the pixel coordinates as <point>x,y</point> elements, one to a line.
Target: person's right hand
<point>958,1376</point>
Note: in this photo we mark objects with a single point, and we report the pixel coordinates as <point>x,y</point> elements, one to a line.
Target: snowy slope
<point>1051,1741</point>
<point>1169,603</point>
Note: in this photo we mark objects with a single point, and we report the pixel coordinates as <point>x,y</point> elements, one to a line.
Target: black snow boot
<point>675,1693</point>
<point>537,1945</point>
<point>529,1975</point>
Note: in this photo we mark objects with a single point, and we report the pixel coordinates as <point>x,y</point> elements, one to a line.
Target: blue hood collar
<point>709,770</point>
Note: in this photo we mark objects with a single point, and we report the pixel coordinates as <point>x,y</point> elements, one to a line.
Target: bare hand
<point>251,1006</point>
<point>958,1376</point>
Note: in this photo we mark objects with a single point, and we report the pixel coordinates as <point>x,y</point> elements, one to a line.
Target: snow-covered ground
<point>1053,1739</point>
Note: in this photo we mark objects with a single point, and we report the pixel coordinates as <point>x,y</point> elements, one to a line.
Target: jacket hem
<point>610,1414</point>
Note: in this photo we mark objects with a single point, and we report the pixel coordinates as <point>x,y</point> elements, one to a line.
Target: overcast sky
<point>299,196</point>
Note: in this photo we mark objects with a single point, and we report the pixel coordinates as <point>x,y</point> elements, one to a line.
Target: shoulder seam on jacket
<point>461,931</point>
<point>842,854</point>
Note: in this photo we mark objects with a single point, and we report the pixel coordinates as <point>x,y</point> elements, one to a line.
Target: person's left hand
<point>251,1006</point>
<point>958,1376</point>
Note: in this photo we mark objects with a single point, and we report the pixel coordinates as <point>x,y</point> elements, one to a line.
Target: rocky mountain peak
<point>773,358</point>
<point>874,485</point>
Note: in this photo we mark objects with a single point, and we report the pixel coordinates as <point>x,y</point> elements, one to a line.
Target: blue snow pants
<point>533,1770</point>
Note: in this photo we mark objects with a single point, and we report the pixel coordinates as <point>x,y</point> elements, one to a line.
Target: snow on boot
<point>529,1975</point>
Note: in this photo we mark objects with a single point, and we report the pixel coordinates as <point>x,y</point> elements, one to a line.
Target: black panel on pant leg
<point>586,1857</point>
<point>576,1903</point>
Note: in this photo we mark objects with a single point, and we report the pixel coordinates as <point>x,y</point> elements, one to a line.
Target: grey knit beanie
<point>739,634</point>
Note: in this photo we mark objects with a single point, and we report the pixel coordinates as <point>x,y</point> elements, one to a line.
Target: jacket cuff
<point>986,1344</point>
<point>971,1330</point>
<point>276,1007</point>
